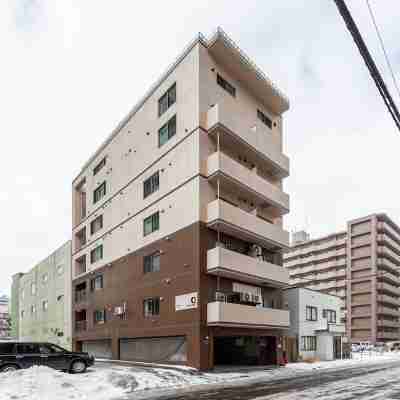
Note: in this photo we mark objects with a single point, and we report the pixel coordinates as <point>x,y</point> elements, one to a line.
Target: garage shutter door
<point>159,349</point>
<point>98,348</point>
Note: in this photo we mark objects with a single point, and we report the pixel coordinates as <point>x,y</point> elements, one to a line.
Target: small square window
<point>151,224</point>
<point>151,306</point>
<point>151,185</point>
<point>167,131</point>
<point>96,254</point>
<point>99,166</point>
<point>167,100</point>
<point>151,263</point>
<point>99,192</point>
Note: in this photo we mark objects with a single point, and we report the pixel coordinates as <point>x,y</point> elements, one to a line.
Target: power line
<point>383,48</point>
<point>369,62</point>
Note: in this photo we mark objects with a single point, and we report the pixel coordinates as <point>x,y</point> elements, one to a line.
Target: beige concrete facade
<point>220,175</point>
<point>361,265</point>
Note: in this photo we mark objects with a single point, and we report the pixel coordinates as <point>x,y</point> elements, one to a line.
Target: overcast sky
<point>70,70</point>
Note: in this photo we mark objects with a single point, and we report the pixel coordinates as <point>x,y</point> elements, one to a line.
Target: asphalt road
<point>380,381</point>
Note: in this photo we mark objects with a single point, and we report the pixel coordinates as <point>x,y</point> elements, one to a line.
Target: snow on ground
<point>108,382</point>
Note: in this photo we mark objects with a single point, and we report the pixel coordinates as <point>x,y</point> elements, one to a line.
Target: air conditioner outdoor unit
<point>118,310</point>
<point>245,297</point>
<point>220,297</point>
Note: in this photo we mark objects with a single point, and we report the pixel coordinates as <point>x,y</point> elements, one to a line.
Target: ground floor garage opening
<point>98,348</point>
<point>245,350</point>
<point>154,349</point>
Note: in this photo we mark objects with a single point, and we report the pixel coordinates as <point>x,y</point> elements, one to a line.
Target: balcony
<point>245,181</point>
<point>80,296</point>
<point>233,265</point>
<point>234,221</point>
<point>388,323</point>
<point>239,315</point>
<point>386,287</point>
<point>388,311</point>
<point>227,119</point>
<point>383,298</point>
<point>388,335</point>
<point>80,326</point>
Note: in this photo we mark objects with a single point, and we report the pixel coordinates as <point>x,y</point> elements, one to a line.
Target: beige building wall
<point>361,265</point>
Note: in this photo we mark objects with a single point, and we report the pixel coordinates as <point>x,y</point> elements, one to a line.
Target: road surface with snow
<point>365,378</point>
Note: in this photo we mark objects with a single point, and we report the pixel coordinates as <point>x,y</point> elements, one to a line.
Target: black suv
<point>17,355</point>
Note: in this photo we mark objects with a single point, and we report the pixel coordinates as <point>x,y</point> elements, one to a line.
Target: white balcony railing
<point>239,315</point>
<point>230,264</point>
<point>233,220</point>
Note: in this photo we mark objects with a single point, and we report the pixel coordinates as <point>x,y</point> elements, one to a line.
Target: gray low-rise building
<point>41,300</point>
<point>315,323</point>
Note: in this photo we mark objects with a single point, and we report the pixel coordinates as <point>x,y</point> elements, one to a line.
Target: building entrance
<point>245,350</point>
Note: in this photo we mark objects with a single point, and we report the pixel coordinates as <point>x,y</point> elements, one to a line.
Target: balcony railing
<point>252,134</point>
<point>80,296</point>
<point>80,326</point>
<point>241,179</point>
<point>231,264</point>
<point>238,315</point>
<point>233,220</point>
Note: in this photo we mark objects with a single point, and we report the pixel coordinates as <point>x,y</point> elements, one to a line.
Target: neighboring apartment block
<point>177,220</point>
<point>361,265</point>
<point>315,323</point>
<point>41,300</point>
<point>4,317</point>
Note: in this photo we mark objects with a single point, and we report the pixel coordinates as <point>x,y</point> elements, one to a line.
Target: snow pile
<point>108,382</point>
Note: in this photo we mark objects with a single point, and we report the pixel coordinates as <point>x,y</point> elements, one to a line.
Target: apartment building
<point>4,318</point>
<point>361,265</point>
<point>177,220</point>
<point>41,300</point>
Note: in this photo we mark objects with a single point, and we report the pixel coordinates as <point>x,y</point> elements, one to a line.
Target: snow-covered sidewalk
<point>116,382</point>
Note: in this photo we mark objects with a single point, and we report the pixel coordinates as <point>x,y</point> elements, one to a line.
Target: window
<point>23,294</point>
<point>99,317</point>
<point>151,185</point>
<point>96,224</point>
<point>96,283</point>
<point>309,343</point>
<point>99,192</point>
<point>96,254</point>
<point>167,131</point>
<point>60,297</point>
<point>45,278</point>
<point>22,314</point>
<point>264,119</point>
<point>81,238</point>
<point>151,263</point>
<point>311,313</point>
<point>33,309</point>
<point>226,85</point>
<point>7,348</point>
<point>60,270</point>
<point>167,100</point>
<point>28,348</point>
<point>151,306</point>
<point>45,305</point>
<point>99,166</point>
<point>151,224</point>
<point>330,315</point>
<point>33,288</point>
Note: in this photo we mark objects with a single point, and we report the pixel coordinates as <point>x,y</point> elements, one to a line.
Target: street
<point>357,382</point>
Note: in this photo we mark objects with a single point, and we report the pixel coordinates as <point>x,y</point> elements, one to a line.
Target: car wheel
<point>78,367</point>
<point>9,368</point>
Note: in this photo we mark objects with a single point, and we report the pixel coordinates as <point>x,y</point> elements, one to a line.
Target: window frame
<point>92,224</point>
<point>93,281</point>
<point>170,100</point>
<point>227,86</point>
<point>154,307</point>
<point>310,316</point>
<point>328,313</point>
<point>99,166</point>
<point>148,263</point>
<point>308,343</point>
<point>99,321</point>
<point>101,188</point>
<point>153,182</point>
<point>93,252</point>
<point>45,305</point>
<point>267,121</point>
<point>155,223</point>
<point>169,133</point>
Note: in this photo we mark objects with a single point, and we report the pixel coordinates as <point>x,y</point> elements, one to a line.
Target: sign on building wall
<point>186,301</point>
